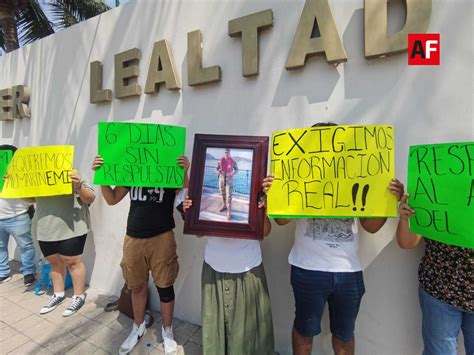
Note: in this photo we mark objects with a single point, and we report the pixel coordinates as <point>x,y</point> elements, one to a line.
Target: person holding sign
<point>61,224</point>
<point>445,291</point>
<point>325,268</point>
<point>236,311</point>
<point>149,246</point>
<point>15,221</point>
<point>226,169</point>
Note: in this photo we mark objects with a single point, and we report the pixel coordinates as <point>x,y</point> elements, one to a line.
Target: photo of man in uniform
<point>226,169</point>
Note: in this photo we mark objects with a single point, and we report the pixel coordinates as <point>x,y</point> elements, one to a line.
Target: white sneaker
<point>168,341</point>
<point>132,340</point>
<point>52,304</point>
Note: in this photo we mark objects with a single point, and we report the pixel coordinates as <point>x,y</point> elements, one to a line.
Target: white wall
<point>426,104</point>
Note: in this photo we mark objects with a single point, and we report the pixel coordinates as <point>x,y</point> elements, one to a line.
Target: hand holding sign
<point>441,188</point>
<point>138,154</point>
<point>332,171</point>
<point>5,158</point>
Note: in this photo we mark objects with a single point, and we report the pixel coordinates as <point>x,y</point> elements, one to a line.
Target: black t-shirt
<point>151,211</point>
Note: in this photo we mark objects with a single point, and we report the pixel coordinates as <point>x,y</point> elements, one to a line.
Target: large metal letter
<point>377,41</point>
<point>329,43</point>
<point>97,94</point>
<point>6,105</point>
<point>249,27</point>
<point>21,98</point>
<point>197,75</point>
<point>161,69</point>
<point>126,69</point>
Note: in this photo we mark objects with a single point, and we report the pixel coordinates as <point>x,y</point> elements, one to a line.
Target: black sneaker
<point>76,304</point>
<point>4,279</point>
<point>29,280</point>
<point>52,304</point>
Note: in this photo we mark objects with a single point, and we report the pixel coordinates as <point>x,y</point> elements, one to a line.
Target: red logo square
<point>423,48</point>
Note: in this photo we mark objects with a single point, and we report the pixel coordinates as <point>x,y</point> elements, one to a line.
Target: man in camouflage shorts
<point>226,169</point>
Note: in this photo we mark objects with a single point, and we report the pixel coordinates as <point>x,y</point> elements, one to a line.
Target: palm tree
<point>24,21</point>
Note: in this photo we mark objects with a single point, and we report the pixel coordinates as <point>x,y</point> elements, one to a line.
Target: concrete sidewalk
<point>91,331</point>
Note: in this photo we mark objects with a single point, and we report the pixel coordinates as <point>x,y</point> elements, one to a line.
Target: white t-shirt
<point>12,207</point>
<point>326,244</point>
<point>232,255</point>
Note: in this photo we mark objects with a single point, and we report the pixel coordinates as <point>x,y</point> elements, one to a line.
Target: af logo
<point>423,48</point>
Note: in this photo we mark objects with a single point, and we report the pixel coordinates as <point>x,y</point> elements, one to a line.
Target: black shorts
<point>68,247</point>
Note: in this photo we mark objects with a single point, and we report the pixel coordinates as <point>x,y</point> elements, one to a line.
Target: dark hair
<point>8,147</point>
<point>324,124</point>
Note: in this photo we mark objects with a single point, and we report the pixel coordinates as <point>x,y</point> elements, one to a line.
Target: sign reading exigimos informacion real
<point>441,192</point>
<point>332,171</point>
<point>316,14</point>
<point>140,154</point>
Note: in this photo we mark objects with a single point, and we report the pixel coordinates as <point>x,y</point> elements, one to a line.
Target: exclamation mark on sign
<point>365,191</point>
<point>355,189</point>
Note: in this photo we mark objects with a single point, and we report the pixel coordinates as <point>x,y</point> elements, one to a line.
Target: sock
<point>59,294</point>
<point>80,296</point>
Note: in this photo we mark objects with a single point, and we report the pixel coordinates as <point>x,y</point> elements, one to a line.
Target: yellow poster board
<point>39,171</point>
<point>332,171</point>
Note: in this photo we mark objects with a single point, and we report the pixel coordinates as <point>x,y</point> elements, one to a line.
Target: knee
<point>72,263</point>
<point>140,291</point>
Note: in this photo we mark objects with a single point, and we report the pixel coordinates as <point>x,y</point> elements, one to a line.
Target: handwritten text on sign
<point>39,171</point>
<point>5,158</point>
<point>441,188</point>
<point>140,154</point>
<point>332,171</point>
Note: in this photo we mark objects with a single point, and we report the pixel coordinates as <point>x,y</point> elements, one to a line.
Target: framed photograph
<point>225,186</point>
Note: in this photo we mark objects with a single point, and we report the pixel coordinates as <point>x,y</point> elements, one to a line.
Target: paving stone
<point>87,329</point>
<point>26,323</point>
<point>16,316</point>
<point>83,348</point>
<point>13,342</point>
<point>30,347</point>
<point>64,343</point>
<point>184,332</point>
<point>106,317</point>
<point>113,346</point>
<point>159,350</point>
<point>45,333</point>
<point>7,332</point>
<point>121,324</point>
<point>191,348</point>
<point>104,336</point>
<point>3,325</point>
<point>197,337</point>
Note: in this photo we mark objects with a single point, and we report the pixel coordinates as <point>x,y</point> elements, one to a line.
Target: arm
<point>405,238</point>
<point>111,195</point>
<point>183,161</point>
<point>86,195</point>
<point>235,168</point>
<point>266,185</point>
<point>373,225</point>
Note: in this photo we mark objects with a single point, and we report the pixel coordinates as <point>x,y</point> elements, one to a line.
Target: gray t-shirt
<point>61,217</point>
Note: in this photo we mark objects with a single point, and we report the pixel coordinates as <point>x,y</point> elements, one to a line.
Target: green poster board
<point>441,189</point>
<point>140,154</point>
<point>5,158</point>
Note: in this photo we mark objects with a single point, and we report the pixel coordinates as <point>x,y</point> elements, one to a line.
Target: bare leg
<point>301,345</point>
<point>167,313</point>
<point>78,272</point>
<point>342,347</point>
<point>139,298</point>
<point>58,272</point>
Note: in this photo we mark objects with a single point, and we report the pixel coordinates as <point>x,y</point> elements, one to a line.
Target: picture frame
<point>225,186</point>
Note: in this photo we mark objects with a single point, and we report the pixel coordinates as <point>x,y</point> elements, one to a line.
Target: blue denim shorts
<point>342,291</point>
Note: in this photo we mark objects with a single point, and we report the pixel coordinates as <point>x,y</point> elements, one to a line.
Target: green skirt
<point>236,313</point>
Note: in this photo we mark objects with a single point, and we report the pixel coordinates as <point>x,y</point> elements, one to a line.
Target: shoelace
<point>53,301</point>
<point>75,303</point>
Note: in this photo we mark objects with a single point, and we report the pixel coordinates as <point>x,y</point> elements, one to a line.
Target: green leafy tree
<point>24,21</point>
